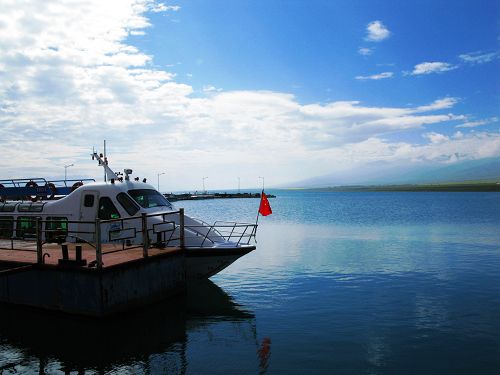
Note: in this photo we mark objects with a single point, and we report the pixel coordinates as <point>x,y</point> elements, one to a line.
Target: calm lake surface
<point>344,283</point>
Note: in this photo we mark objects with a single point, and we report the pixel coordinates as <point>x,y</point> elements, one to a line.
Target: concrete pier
<point>201,196</point>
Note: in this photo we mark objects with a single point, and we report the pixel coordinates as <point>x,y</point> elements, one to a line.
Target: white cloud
<point>376,76</point>
<point>438,104</point>
<point>361,155</point>
<point>161,7</point>
<point>408,122</point>
<point>376,31</point>
<point>211,88</point>
<point>436,137</point>
<point>466,147</point>
<point>69,79</point>
<point>474,124</point>
<point>365,51</point>
<point>442,149</point>
<point>479,57</point>
<point>432,67</point>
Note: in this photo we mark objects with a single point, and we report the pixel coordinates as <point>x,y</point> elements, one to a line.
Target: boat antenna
<point>103,162</point>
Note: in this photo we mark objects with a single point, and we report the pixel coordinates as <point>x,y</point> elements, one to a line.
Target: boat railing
<point>238,233</point>
<point>242,232</point>
<point>93,241</point>
<point>32,234</point>
<point>158,234</point>
<point>43,236</point>
<point>37,188</point>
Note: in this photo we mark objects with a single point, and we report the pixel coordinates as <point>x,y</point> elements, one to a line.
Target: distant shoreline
<point>202,196</point>
<point>444,187</point>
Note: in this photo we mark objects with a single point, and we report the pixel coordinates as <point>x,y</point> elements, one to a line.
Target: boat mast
<point>103,161</point>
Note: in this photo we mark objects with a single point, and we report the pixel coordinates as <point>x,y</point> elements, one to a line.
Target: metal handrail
<point>41,234</point>
<point>19,182</point>
<point>217,228</point>
<point>139,216</point>
<point>37,187</point>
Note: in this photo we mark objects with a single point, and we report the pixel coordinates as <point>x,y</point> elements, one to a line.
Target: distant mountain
<point>385,173</point>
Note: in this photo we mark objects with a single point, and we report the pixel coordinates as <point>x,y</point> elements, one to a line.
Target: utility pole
<point>203,181</point>
<point>262,183</point>
<point>66,171</point>
<point>159,174</point>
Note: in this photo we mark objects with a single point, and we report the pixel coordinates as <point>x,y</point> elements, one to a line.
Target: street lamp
<point>158,175</point>
<point>66,170</point>
<point>238,185</point>
<point>262,182</point>
<point>203,180</point>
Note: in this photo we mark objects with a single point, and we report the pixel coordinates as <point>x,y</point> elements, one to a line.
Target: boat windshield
<point>149,198</point>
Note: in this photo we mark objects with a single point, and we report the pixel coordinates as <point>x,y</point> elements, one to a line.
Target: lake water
<point>344,283</point>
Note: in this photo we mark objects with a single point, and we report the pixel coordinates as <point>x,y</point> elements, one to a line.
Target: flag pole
<point>257,219</point>
<point>258,211</point>
<point>261,195</point>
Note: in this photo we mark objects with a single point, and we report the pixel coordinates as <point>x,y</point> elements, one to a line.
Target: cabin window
<point>149,198</point>
<point>30,207</point>
<point>107,209</point>
<point>88,200</point>
<point>6,225</point>
<point>56,227</point>
<point>127,203</point>
<point>26,227</point>
<point>8,207</point>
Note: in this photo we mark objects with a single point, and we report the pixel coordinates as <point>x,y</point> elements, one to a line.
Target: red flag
<point>265,207</point>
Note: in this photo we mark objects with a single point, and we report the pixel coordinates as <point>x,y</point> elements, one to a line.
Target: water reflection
<point>165,338</point>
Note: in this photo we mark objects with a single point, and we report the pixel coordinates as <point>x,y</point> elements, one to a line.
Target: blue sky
<point>310,48</point>
<point>227,89</point>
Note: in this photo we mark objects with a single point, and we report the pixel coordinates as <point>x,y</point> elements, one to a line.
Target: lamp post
<point>158,175</point>
<point>66,170</point>
<point>262,182</point>
<point>238,185</point>
<point>203,181</point>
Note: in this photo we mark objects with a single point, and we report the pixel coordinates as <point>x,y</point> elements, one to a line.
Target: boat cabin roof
<point>144,195</point>
<point>39,195</point>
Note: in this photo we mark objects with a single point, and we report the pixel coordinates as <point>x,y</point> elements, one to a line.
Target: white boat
<point>119,210</point>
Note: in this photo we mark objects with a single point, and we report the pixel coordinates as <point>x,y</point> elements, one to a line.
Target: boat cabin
<point>96,200</point>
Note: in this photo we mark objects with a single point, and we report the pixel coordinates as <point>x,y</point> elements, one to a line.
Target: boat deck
<point>113,254</point>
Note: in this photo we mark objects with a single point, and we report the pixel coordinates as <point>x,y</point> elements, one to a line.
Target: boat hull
<point>202,263</point>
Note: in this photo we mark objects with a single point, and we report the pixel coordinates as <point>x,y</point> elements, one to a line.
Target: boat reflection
<point>165,338</point>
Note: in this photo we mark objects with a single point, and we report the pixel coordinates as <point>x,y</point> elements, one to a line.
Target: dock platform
<point>125,280</point>
<point>115,254</point>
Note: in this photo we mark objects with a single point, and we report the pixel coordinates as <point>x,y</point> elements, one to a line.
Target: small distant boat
<point>120,207</point>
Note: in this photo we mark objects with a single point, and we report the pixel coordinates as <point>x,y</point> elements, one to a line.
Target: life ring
<point>2,199</point>
<point>76,185</point>
<point>53,190</point>
<point>28,185</point>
